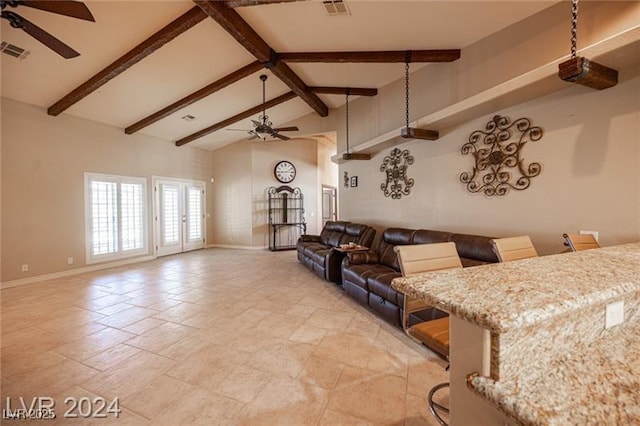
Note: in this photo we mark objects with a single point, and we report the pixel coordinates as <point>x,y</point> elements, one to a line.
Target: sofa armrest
<point>362,257</point>
<point>309,238</point>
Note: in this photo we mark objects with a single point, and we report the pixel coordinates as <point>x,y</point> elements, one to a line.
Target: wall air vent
<point>188,117</point>
<point>13,50</point>
<point>335,7</point>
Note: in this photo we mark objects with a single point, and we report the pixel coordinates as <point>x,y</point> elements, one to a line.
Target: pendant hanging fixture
<point>581,70</point>
<point>412,132</point>
<point>349,155</point>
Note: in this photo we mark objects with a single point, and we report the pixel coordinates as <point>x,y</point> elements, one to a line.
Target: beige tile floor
<point>215,336</point>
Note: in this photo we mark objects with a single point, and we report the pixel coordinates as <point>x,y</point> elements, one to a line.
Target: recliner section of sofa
<point>317,251</point>
<point>367,276</point>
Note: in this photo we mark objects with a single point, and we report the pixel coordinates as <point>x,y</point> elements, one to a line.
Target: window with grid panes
<point>116,216</point>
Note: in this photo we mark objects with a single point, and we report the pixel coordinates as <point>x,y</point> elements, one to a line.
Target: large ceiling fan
<point>74,9</point>
<point>263,128</point>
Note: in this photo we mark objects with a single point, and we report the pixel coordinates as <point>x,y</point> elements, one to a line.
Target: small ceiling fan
<point>263,128</point>
<point>74,9</point>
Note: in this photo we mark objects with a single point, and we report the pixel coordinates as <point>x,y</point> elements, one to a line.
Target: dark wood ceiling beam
<point>196,96</point>
<point>241,116</point>
<point>239,29</point>
<point>242,3</point>
<point>356,91</point>
<point>135,55</point>
<point>447,55</point>
<point>291,79</point>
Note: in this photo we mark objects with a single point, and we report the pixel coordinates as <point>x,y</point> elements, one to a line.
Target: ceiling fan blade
<point>41,35</point>
<point>287,129</point>
<point>254,137</point>
<point>283,137</point>
<point>74,9</point>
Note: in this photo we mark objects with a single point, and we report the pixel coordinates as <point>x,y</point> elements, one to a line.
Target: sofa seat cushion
<point>309,249</point>
<point>319,255</point>
<point>359,274</point>
<point>380,284</point>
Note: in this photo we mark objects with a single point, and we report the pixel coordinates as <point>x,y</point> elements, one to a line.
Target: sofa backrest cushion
<point>353,233</point>
<point>355,229</point>
<point>390,238</point>
<point>361,234</point>
<point>426,236</point>
<point>474,247</point>
<point>332,232</point>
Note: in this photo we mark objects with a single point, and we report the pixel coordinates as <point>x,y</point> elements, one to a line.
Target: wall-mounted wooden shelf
<point>620,51</point>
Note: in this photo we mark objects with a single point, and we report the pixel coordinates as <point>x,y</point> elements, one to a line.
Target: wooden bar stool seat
<point>434,334</point>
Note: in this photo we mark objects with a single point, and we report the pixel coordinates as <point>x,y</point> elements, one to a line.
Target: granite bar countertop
<point>596,385</point>
<point>561,366</point>
<point>508,296</point>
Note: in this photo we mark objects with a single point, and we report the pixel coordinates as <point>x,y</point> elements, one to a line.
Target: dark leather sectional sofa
<point>317,251</point>
<point>366,276</point>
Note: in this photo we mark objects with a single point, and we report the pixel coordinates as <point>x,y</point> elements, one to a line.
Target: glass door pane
<point>170,207</point>
<point>194,225</point>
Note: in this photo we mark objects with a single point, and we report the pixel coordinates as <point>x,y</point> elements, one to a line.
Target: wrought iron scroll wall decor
<point>497,156</point>
<point>395,166</point>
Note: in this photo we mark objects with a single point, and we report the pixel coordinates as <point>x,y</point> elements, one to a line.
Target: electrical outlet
<point>614,314</point>
<point>594,233</point>
<point>25,268</point>
<point>70,260</point>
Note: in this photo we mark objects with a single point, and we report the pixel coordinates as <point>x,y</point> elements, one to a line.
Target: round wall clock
<point>285,171</point>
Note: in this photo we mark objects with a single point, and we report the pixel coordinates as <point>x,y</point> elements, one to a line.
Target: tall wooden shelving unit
<point>286,217</point>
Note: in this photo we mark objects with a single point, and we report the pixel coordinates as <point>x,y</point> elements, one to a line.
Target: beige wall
<point>230,195</point>
<point>303,154</point>
<point>589,155</point>
<point>590,151</point>
<point>43,163</point>
<point>508,54</point>
<point>590,180</point>
<point>244,171</point>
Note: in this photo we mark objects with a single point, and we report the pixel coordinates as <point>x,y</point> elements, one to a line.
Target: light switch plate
<point>614,314</point>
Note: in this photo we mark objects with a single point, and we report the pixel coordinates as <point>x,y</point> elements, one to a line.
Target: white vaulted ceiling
<point>206,53</point>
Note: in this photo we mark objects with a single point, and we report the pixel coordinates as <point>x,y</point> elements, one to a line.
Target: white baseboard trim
<point>70,272</point>
<point>235,247</point>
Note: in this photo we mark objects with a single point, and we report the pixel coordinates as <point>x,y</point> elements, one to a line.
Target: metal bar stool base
<point>434,405</point>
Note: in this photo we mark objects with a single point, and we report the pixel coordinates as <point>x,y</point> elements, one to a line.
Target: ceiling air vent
<point>336,7</point>
<point>13,50</point>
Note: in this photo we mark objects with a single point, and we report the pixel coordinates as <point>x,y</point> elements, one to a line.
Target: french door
<point>179,215</point>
